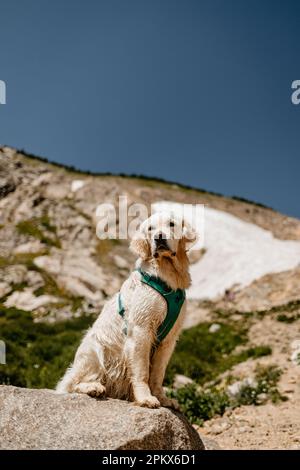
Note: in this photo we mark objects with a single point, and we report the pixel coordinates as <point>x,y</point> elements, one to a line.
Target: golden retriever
<point>129,364</point>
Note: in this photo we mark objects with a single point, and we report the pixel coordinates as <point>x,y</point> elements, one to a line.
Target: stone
<point>295,344</point>
<point>121,262</point>
<point>76,185</point>
<point>26,300</point>
<point>30,247</point>
<point>210,444</point>
<point>34,279</point>
<point>214,328</point>
<point>23,210</point>
<point>235,388</point>
<point>220,427</point>
<point>4,289</point>
<point>56,192</point>
<point>295,357</point>
<point>77,273</point>
<point>42,419</point>
<point>181,381</point>
<point>7,185</point>
<point>14,274</point>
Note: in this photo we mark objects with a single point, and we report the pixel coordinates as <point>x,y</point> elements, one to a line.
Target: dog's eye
<point>172,223</point>
<point>150,228</point>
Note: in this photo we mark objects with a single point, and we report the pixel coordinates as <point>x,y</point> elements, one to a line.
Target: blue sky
<point>194,91</point>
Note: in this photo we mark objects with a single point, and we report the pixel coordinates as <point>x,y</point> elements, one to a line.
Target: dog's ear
<point>140,246</point>
<point>189,235</point>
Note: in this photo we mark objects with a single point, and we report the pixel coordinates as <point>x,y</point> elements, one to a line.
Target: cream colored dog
<point>110,363</point>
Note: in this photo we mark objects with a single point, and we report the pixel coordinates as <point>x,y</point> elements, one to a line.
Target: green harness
<point>174,299</point>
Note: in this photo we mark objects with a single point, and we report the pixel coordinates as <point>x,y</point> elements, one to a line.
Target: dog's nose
<point>159,238</point>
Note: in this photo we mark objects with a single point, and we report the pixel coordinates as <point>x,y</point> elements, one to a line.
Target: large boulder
<point>42,419</point>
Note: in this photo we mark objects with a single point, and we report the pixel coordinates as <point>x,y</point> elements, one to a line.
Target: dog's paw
<point>149,402</point>
<point>169,403</point>
<point>96,391</point>
<point>93,389</point>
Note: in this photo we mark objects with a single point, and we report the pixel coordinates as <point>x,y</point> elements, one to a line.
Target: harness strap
<point>121,310</point>
<point>174,299</point>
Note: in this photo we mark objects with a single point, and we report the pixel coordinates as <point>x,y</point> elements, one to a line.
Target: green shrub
<point>202,355</point>
<point>200,405</point>
<point>37,354</point>
<point>257,351</point>
<point>267,379</point>
<point>287,319</point>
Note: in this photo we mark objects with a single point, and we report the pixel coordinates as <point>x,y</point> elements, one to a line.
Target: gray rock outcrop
<point>42,419</point>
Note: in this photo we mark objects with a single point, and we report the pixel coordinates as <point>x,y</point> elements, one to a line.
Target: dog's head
<point>163,235</point>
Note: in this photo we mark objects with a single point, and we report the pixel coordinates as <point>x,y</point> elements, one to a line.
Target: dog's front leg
<point>160,361</point>
<point>138,347</point>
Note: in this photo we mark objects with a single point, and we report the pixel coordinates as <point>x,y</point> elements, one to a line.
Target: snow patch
<point>236,252</point>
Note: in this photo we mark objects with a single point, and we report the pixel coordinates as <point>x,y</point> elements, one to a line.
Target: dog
<point>119,357</point>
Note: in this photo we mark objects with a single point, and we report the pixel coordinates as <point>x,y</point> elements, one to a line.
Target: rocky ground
<point>54,267</point>
<point>267,426</point>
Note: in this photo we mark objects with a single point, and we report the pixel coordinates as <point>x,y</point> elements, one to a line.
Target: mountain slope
<point>236,252</point>
<point>55,275</point>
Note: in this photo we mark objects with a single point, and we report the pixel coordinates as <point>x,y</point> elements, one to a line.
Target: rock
<point>23,210</point>
<point>34,279</point>
<point>235,388</point>
<point>77,184</point>
<point>14,274</point>
<point>121,262</point>
<point>26,300</point>
<point>181,381</point>
<point>4,289</point>
<point>7,181</point>
<point>295,356</point>
<point>30,247</point>
<point>7,185</point>
<point>242,430</point>
<point>196,314</point>
<point>220,427</point>
<point>214,328</point>
<point>269,291</point>
<point>78,289</point>
<point>295,344</point>
<point>210,444</point>
<point>41,419</point>
<point>56,192</point>
<point>75,272</point>
<point>43,179</point>
<point>262,398</point>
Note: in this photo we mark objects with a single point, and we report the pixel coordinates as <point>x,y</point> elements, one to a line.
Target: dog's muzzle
<point>161,245</point>
<point>161,242</point>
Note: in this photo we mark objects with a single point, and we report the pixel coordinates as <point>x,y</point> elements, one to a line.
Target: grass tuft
<point>37,354</point>
<point>200,404</point>
<point>36,228</point>
<point>202,356</point>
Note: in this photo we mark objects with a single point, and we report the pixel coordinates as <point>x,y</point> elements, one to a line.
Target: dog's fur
<point>110,363</point>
